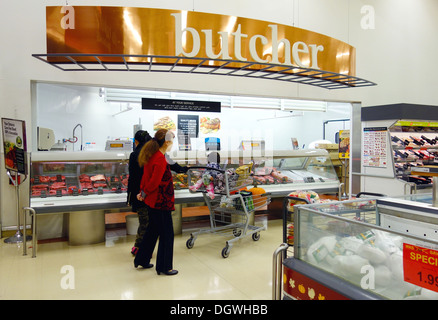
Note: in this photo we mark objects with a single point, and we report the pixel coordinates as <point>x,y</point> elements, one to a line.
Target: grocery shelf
<point>153,63</point>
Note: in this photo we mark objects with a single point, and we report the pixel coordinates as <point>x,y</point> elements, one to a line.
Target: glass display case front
<point>78,178</point>
<point>78,174</point>
<point>278,172</point>
<point>346,241</point>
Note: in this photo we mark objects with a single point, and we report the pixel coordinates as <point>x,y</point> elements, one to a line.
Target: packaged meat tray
<point>55,185</point>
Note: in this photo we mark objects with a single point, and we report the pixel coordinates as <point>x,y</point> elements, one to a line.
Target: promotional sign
<point>344,144</point>
<point>212,38</point>
<point>420,266</point>
<point>14,145</point>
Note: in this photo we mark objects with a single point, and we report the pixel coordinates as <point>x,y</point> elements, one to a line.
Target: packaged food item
<point>310,196</point>
<point>349,266</point>
<point>319,250</point>
<point>290,234</point>
<point>382,276</point>
<point>280,177</point>
<point>259,200</point>
<point>374,255</point>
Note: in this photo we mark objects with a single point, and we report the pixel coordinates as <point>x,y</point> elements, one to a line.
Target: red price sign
<point>420,266</point>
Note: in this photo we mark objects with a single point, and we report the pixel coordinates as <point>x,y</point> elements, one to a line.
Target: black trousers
<point>143,221</point>
<point>160,227</point>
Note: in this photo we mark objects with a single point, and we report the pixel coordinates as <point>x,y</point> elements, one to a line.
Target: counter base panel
<point>302,281</point>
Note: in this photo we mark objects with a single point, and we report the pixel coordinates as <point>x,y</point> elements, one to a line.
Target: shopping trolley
<point>231,207</point>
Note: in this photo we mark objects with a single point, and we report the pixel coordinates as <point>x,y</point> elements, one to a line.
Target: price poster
<point>14,145</point>
<point>420,266</point>
<point>374,147</point>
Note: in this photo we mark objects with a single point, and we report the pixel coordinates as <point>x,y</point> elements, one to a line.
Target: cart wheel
<point>237,232</point>
<point>225,252</point>
<point>190,243</point>
<point>256,236</point>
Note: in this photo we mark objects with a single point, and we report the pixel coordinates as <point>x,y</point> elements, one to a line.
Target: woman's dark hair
<point>152,146</point>
<point>142,137</point>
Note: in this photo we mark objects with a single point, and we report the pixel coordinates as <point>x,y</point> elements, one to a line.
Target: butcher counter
<point>74,190</point>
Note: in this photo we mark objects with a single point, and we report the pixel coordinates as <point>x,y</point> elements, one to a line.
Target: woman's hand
<point>139,197</point>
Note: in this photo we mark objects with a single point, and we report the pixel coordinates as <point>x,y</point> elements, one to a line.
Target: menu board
<point>188,127</point>
<point>374,147</point>
<point>14,145</point>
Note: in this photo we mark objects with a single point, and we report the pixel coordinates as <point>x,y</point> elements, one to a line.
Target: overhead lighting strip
<point>121,62</point>
<point>135,96</point>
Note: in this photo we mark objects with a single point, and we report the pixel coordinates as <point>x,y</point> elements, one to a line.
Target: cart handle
<point>205,167</point>
<point>296,198</point>
<point>370,194</point>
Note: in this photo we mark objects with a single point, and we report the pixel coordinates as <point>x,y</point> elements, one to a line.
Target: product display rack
<point>397,139</point>
<point>414,145</point>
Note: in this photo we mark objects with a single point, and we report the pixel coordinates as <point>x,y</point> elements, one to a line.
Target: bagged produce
<point>349,266</point>
<point>319,250</point>
<point>382,276</point>
<point>374,255</point>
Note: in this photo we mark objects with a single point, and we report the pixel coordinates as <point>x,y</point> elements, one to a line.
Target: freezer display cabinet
<point>342,250</point>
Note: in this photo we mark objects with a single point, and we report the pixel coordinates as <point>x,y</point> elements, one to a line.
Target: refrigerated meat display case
<point>370,248</point>
<point>71,192</point>
<point>81,187</point>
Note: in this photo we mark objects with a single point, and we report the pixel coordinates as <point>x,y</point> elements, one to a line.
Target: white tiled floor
<point>106,271</point>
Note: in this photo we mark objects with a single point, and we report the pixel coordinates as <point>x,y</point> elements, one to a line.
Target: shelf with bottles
<point>414,145</point>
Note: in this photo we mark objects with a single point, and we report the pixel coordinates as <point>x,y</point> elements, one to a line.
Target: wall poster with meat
<point>14,145</point>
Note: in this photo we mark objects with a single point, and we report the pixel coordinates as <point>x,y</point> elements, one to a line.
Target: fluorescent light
<point>305,105</point>
<point>134,96</point>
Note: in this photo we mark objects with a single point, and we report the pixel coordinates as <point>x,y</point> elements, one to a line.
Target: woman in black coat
<point>135,175</point>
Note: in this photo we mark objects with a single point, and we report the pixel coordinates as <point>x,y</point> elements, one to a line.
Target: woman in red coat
<point>158,194</point>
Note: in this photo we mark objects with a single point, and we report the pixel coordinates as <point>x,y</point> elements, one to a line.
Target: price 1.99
<point>428,278</point>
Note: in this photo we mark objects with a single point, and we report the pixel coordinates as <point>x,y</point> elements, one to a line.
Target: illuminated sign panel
<point>160,33</point>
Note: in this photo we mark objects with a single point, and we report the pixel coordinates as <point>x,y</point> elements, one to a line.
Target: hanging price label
<point>420,266</point>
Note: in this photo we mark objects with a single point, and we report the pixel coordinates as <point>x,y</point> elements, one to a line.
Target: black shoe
<point>150,265</point>
<point>168,273</point>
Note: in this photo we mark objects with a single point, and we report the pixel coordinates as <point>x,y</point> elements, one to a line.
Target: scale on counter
<point>252,145</point>
<point>118,145</point>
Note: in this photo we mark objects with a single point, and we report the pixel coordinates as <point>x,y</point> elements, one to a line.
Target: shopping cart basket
<point>231,209</point>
